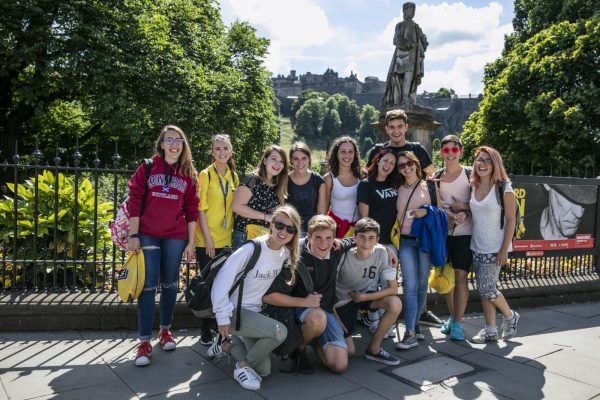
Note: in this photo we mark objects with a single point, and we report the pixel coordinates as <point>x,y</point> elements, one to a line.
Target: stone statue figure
<point>406,69</point>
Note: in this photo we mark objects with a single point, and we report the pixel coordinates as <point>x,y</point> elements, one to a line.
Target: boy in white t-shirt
<point>358,271</point>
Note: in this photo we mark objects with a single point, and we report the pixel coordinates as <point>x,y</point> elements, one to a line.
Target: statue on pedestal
<point>406,69</point>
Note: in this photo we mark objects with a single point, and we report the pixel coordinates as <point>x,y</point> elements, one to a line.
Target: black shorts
<point>459,252</point>
<point>347,314</point>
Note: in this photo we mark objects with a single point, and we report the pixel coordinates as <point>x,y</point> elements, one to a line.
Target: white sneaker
<point>215,351</point>
<point>247,377</point>
<point>509,327</point>
<point>391,333</point>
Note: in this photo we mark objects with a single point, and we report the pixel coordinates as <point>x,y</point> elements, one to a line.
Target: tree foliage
<point>367,134</point>
<point>444,93</point>
<point>540,102</point>
<point>309,118</point>
<point>349,114</point>
<point>303,97</point>
<point>119,70</point>
<point>331,122</point>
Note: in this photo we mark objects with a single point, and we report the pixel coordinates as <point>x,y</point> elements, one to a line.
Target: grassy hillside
<point>317,145</point>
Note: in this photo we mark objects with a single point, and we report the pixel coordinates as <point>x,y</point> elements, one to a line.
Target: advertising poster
<point>555,217</point>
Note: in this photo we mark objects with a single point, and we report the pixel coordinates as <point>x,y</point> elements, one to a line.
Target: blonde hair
<point>223,137</point>
<point>294,244</point>
<point>281,180</point>
<point>186,167</point>
<point>499,174</point>
<point>321,222</point>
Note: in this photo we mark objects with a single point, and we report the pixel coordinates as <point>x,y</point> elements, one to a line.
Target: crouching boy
<point>313,296</point>
<point>358,271</point>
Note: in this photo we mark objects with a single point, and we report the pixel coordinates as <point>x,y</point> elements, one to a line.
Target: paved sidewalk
<point>556,356</point>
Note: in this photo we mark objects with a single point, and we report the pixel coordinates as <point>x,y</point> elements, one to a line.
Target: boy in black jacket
<point>314,310</point>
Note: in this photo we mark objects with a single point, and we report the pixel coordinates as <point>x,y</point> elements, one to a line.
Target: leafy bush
<point>48,221</point>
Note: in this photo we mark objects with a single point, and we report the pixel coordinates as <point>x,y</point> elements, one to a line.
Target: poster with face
<point>556,216</point>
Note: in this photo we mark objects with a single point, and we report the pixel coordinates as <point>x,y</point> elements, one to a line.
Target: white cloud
<point>291,28</point>
<point>462,39</point>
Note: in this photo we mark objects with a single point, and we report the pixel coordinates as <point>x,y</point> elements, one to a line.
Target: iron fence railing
<point>54,227</point>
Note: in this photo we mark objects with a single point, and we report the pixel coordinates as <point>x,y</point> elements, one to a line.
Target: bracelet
<point>133,236</point>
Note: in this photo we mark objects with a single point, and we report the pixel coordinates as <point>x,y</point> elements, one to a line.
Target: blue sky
<point>356,35</point>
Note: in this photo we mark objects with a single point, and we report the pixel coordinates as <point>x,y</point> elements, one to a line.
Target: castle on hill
<point>450,112</point>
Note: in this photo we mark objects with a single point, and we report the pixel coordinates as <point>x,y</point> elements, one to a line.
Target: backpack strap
<point>437,175</point>
<point>240,282</point>
<point>432,192</point>
<point>500,198</point>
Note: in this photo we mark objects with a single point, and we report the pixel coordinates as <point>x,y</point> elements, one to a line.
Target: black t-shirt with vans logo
<point>381,198</point>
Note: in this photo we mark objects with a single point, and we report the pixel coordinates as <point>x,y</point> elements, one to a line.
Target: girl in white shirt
<point>490,243</point>
<point>260,334</point>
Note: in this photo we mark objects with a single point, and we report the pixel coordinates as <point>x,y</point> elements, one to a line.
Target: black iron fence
<point>54,217</point>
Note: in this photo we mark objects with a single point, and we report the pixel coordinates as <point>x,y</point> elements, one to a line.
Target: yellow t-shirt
<point>210,195</point>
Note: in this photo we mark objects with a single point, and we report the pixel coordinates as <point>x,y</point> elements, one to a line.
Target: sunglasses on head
<point>408,164</point>
<point>288,228</point>
<point>446,150</point>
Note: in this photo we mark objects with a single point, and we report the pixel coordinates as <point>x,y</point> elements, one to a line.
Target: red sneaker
<point>166,340</point>
<point>143,352</point>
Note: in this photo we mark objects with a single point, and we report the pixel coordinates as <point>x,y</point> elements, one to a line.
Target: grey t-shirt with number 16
<point>359,275</point>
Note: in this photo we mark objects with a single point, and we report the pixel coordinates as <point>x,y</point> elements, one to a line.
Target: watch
<point>133,235</point>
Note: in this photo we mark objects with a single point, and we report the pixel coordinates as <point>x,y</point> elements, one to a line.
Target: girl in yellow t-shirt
<point>216,185</point>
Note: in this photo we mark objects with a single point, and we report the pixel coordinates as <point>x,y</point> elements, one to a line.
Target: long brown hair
<point>280,180</point>
<point>334,163</point>
<point>499,174</point>
<point>186,167</point>
<point>294,244</point>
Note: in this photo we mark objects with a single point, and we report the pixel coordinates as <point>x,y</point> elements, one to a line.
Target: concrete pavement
<point>556,355</point>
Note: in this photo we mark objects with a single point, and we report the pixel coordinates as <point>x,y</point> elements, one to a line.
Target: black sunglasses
<point>281,226</point>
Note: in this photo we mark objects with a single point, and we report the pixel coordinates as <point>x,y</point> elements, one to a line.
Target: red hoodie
<point>168,209</point>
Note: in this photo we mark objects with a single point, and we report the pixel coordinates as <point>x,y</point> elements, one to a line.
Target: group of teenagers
<point>329,245</point>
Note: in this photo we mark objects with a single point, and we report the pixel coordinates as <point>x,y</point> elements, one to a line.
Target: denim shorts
<point>333,334</point>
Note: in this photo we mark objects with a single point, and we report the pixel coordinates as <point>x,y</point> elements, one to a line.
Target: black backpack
<point>197,294</point>
<point>518,217</point>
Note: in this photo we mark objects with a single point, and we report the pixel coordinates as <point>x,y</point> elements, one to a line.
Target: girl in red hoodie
<point>163,225</point>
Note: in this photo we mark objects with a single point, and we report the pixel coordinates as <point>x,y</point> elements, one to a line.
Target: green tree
<point>540,103</point>
<point>444,93</point>
<point>368,116</point>
<point>331,122</point>
<point>105,70</point>
<point>303,97</point>
<point>309,118</point>
<point>349,113</point>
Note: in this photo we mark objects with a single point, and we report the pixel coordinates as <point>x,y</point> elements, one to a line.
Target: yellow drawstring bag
<point>130,281</point>
<point>253,231</point>
<point>441,279</point>
<point>395,235</point>
<point>349,233</point>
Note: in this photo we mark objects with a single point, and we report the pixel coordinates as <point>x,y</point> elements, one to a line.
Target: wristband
<point>133,236</point>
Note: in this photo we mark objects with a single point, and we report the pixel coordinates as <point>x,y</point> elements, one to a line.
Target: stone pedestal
<point>421,125</point>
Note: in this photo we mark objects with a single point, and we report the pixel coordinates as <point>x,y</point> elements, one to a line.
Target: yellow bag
<point>441,279</point>
<point>349,233</point>
<point>130,281</point>
<point>253,231</point>
<point>395,235</point>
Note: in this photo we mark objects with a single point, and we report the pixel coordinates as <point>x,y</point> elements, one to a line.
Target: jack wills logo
<point>265,275</point>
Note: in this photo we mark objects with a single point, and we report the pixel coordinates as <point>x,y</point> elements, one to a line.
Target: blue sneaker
<point>457,332</point>
<point>383,357</point>
<point>446,326</point>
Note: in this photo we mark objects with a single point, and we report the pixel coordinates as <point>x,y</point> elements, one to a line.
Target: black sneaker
<point>301,363</point>
<point>418,334</point>
<point>430,319</point>
<point>408,342</point>
<point>206,337</point>
<point>363,318</point>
